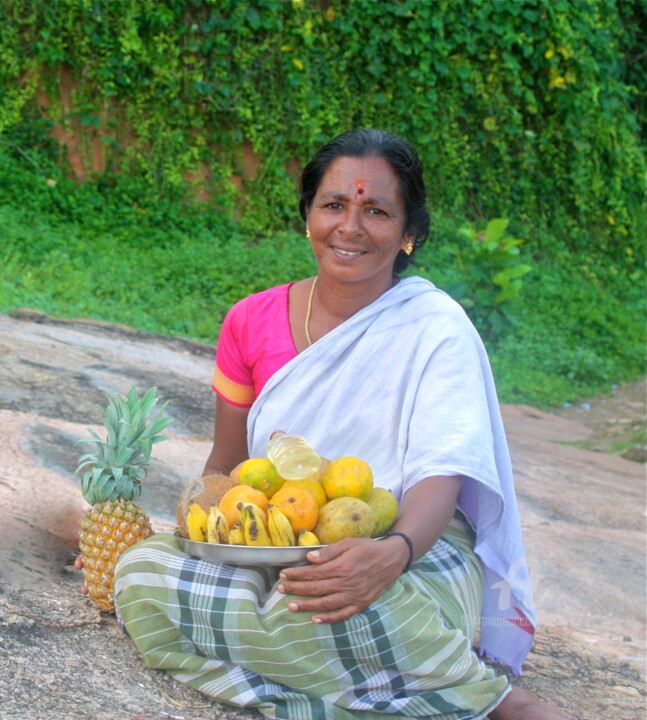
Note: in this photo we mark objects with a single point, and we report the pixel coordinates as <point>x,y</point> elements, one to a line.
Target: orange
<point>298,506</point>
<point>312,485</point>
<point>228,504</point>
<point>261,474</point>
<point>348,477</point>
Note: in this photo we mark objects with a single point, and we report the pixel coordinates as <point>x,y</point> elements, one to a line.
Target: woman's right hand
<point>344,578</point>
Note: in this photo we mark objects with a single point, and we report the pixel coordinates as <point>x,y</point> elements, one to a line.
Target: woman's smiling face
<point>357,220</point>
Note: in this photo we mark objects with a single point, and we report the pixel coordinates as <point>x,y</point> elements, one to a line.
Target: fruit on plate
<point>338,501</point>
<point>384,511</point>
<point>307,538</point>
<point>343,517</point>
<point>299,506</point>
<point>255,530</point>
<point>256,509</point>
<point>280,529</point>
<point>240,493</point>
<point>236,534</point>
<point>261,474</point>
<point>235,473</point>
<point>312,485</point>
<point>322,470</point>
<point>111,483</point>
<point>217,527</point>
<point>196,523</point>
<point>348,477</point>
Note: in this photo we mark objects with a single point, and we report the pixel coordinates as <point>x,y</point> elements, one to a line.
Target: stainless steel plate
<point>244,554</point>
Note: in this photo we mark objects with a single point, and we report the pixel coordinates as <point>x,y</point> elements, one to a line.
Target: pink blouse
<point>255,341</point>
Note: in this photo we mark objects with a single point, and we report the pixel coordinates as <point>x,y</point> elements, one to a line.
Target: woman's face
<point>357,220</point>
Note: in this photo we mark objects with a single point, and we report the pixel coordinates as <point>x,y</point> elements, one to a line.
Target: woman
<point>361,363</point>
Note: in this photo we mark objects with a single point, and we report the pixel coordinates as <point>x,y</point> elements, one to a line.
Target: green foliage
<point>523,109</point>
<point>491,275</point>
<point>176,269</point>
<point>156,264</point>
<point>633,39</point>
<point>583,329</point>
<point>519,108</point>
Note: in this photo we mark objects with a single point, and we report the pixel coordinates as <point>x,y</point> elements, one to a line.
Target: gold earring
<point>308,233</point>
<point>408,248</point>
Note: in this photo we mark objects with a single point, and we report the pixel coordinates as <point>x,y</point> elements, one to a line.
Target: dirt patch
<point>62,659</point>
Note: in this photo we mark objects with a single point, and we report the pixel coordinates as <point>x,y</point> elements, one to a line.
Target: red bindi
<point>360,187</point>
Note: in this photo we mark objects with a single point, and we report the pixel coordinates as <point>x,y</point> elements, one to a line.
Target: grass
<point>615,447</point>
<point>582,444</point>
<point>159,265</point>
<point>619,447</point>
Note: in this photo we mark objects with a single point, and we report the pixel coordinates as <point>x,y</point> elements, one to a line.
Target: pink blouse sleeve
<point>255,341</point>
<point>232,377</point>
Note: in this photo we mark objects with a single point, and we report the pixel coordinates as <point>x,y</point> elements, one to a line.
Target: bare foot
<point>78,564</point>
<point>521,705</point>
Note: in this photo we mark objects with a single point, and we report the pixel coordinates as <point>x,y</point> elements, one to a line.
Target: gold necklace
<point>309,310</point>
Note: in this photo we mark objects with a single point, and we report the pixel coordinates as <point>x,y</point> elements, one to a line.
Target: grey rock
<point>582,512</point>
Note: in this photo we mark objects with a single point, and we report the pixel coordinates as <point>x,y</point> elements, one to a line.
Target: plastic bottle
<point>292,456</point>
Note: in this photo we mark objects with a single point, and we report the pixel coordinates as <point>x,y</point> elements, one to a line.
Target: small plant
<point>491,273</point>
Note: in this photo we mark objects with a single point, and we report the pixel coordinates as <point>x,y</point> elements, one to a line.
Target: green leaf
<point>518,271</point>
<point>495,229</point>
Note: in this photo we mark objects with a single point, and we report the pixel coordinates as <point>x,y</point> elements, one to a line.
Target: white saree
<point>406,385</point>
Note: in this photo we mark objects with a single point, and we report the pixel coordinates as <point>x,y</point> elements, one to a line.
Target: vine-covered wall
<point>519,108</point>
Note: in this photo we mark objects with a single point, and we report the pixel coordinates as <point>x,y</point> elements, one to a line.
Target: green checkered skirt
<point>227,632</point>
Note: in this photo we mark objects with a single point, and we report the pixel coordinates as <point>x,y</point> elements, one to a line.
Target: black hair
<point>363,142</point>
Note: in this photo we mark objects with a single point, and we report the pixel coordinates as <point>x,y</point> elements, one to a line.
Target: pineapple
<point>111,483</point>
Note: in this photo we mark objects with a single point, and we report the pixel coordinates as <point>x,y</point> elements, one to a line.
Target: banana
<point>236,534</point>
<point>307,538</point>
<point>279,528</point>
<point>255,532</point>
<point>196,523</point>
<point>217,527</point>
<point>257,510</point>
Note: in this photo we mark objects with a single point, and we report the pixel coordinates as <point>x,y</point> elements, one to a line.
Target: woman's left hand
<point>344,578</point>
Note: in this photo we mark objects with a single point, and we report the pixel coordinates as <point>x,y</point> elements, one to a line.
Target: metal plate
<point>244,554</point>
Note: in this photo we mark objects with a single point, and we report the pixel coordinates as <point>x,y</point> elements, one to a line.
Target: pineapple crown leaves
<point>118,465</point>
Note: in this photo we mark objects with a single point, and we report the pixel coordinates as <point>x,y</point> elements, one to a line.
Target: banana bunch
<point>255,527</point>
<point>270,529</point>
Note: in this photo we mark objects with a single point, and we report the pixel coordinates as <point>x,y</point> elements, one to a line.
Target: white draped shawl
<point>405,384</point>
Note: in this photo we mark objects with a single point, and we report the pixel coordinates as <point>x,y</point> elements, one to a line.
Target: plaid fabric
<point>227,632</point>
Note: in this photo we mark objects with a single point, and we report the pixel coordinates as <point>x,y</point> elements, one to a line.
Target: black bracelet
<point>407,539</point>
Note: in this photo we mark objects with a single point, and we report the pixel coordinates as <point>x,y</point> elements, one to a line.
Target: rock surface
<point>582,510</point>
